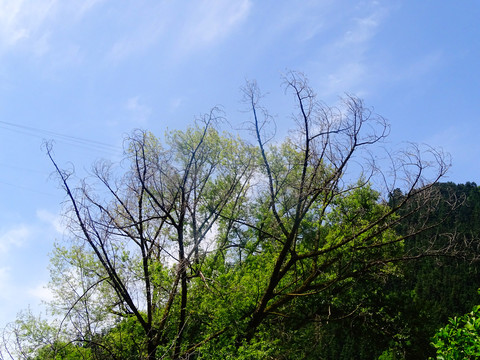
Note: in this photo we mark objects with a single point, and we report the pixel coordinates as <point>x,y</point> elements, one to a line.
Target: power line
<point>30,170</point>
<point>26,188</point>
<point>68,139</point>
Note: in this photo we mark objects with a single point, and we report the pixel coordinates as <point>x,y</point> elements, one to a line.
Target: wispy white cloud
<point>22,264</point>
<point>17,295</point>
<point>175,103</point>
<point>84,6</point>
<point>362,30</point>
<point>345,78</point>
<point>138,110</point>
<point>144,32</point>
<point>346,57</point>
<point>38,27</point>
<point>21,20</point>
<point>41,292</point>
<point>55,220</point>
<point>51,27</point>
<point>354,60</point>
<point>210,21</point>
<point>10,29</point>
<point>312,19</point>
<point>14,237</point>
<point>180,30</point>
<point>20,235</point>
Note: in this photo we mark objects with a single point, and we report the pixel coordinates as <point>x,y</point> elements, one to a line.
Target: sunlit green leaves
<point>460,339</point>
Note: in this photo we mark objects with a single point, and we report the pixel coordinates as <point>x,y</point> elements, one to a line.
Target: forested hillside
<point>402,311</point>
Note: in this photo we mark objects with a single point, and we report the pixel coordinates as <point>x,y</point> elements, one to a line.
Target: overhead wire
<point>25,188</point>
<point>47,135</point>
<point>63,138</point>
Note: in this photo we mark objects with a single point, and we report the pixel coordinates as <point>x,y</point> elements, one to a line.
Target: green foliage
<point>201,245</point>
<point>460,339</point>
<point>64,351</point>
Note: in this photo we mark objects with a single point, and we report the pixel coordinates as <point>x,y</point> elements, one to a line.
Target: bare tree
<point>306,181</point>
<point>207,236</point>
<point>160,214</point>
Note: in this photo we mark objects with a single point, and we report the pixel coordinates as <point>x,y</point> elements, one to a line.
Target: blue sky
<point>87,72</point>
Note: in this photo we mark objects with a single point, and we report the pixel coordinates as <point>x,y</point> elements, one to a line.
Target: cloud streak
<point>14,237</point>
<point>41,292</point>
<point>211,21</point>
<point>138,110</point>
<point>347,58</point>
<point>41,27</point>
<point>20,21</point>
<point>54,220</point>
<point>179,30</point>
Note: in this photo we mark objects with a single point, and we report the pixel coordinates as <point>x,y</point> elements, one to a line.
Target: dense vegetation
<point>204,245</point>
<point>401,312</point>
